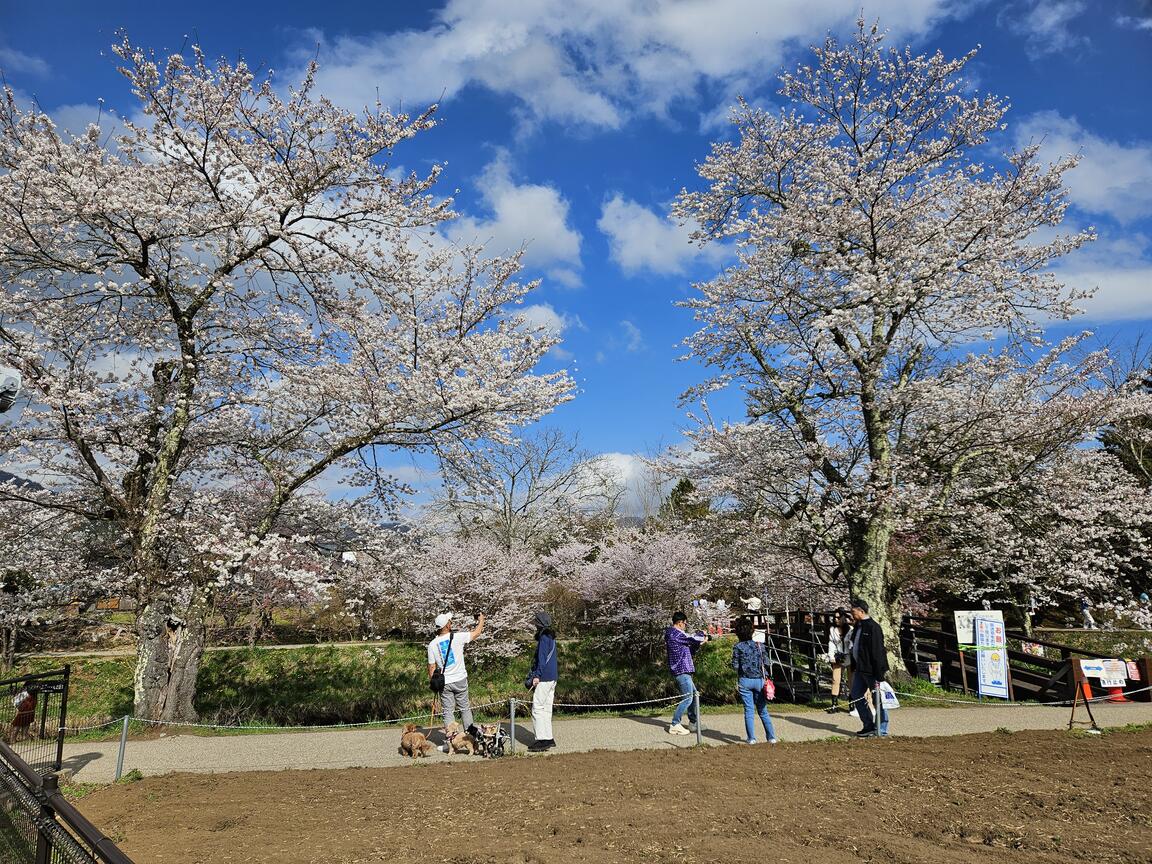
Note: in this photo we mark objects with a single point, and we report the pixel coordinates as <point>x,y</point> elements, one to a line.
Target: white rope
<point>269,728</point>
<point>70,729</point>
<point>1064,702</point>
<point>679,698</point>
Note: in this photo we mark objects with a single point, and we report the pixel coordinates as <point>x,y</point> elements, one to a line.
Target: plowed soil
<point>996,797</point>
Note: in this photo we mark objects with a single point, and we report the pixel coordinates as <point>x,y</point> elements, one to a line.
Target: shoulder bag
<point>769,687</point>
<point>436,682</point>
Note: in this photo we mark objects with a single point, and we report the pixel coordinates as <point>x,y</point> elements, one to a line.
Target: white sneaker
<point>853,713</point>
<point>751,741</point>
<point>772,740</point>
<point>678,729</point>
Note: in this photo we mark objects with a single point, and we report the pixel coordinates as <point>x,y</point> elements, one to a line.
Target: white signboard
<point>1112,673</point>
<point>966,623</point>
<point>991,657</point>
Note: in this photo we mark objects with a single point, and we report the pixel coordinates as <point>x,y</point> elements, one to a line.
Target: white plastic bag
<point>888,696</point>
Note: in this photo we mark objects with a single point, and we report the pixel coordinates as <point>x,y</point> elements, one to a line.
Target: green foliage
<point>684,503</point>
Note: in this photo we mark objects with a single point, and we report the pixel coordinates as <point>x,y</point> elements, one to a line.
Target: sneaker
<point>866,733</point>
<point>678,729</point>
<point>853,713</point>
<point>834,709</point>
<point>773,740</point>
<point>751,741</point>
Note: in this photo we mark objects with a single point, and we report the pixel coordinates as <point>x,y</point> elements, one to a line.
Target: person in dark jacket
<point>681,648</point>
<point>543,683</point>
<point>748,661</point>
<point>870,662</point>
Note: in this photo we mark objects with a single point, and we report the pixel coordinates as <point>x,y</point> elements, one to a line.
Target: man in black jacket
<point>870,665</point>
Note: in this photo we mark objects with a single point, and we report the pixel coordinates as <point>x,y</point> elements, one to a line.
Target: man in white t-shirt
<point>446,652</point>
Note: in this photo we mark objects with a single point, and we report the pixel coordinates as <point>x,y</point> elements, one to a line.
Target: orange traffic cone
<point>1086,691</point>
<point>1116,694</point>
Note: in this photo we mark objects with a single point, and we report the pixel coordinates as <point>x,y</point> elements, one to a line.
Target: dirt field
<point>996,797</point>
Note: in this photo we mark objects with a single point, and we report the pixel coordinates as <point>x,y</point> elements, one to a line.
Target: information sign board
<point>992,657</point>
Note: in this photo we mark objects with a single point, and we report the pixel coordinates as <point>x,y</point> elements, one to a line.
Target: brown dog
<point>415,743</point>
<point>458,740</point>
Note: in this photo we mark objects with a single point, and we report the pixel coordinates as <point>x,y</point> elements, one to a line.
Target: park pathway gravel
<point>94,762</point>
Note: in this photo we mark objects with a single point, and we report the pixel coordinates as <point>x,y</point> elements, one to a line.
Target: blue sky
<point>570,125</point>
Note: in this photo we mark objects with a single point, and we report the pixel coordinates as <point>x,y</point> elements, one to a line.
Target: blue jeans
<point>752,695</point>
<point>687,687</point>
<point>861,684</point>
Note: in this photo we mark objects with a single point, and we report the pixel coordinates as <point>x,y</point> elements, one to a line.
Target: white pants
<point>542,697</point>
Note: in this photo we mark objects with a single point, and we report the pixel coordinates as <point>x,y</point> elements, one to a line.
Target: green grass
<point>321,685</point>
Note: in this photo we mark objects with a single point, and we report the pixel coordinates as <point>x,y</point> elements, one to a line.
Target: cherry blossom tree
<point>468,576</point>
<point>49,567</point>
<point>633,580</point>
<point>528,492</point>
<point>234,291</point>
<point>1077,527</point>
<point>873,243</point>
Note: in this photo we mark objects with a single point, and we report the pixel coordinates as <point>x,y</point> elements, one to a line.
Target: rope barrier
<point>1062,703</point>
<point>265,728</point>
<point>71,730</point>
<point>679,698</point>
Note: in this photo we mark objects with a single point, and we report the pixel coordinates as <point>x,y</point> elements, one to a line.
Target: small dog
<point>457,740</point>
<point>415,743</point>
<point>491,743</point>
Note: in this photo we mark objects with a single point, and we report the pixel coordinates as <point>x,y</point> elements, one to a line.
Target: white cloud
<point>1046,25</point>
<point>544,315</point>
<point>591,63</point>
<point>643,488</point>
<point>12,60</point>
<point>1129,22</point>
<point>1119,269</point>
<point>530,215</point>
<point>635,339</point>
<point>640,239</point>
<point>556,323</point>
<point>1112,178</point>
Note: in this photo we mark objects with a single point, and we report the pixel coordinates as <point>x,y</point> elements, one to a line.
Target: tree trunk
<point>871,581</point>
<point>255,620</point>
<point>170,646</point>
<point>9,649</point>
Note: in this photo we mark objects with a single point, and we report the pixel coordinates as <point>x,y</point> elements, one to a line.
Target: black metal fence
<point>38,826</point>
<point>33,711</point>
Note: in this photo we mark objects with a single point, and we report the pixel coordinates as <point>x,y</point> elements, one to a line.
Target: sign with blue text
<point>991,657</point>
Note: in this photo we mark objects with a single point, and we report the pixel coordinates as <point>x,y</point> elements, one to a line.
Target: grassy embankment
<point>355,684</point>
<point>334,684</point>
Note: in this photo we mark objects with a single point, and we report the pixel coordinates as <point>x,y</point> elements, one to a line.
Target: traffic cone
<point>1086,691</point>
<point>1116,694</point>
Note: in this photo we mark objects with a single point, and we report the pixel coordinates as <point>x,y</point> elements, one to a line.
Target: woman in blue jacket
<point>748,661</point>
<point>542,680</point>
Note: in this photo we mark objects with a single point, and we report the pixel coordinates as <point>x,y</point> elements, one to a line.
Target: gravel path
<point>377,747</point>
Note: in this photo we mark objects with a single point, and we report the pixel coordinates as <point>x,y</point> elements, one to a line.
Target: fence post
<point>123,746</point>
<point>62,723</point>
<point>43,842</point>
<point>699,717</point>
<point>512,726</point>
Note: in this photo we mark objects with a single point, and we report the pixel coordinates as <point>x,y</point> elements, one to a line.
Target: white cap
<point>442,619</point>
